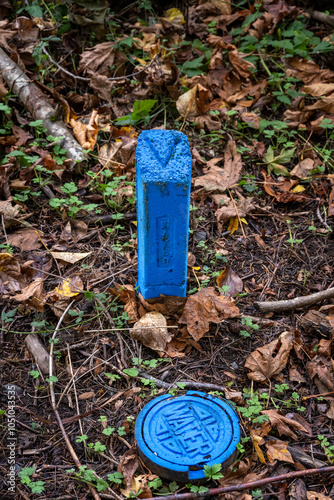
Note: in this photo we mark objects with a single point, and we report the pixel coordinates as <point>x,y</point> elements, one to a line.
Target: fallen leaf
<point>152,331</point>
<point>127,295</point>
<point>9,213</point>
<point>237,60</point>
<point>228,278</point>
<point>26,239</point>
<point>187,105</point>
<point>223,6</point>
<point>86,135</point>
<point>217,179</point>
<point>11,278</point>
<point>278,450</point>
<point>32,294</point>
<point>233,395</point>
<point>233,225</point>
<point>257,441</point>
<point>282,424</point>
<point>240,472</point>
<point>69,257</point>
<point>107,152</point>
<point>86,395</point>
<point>242,207</point>
<point>69,287</point>
<point>281,190</point>
<point>315,495</point>
<point>128,465</point>
<point>204,307</point>
<point>263,364</point>
<point>99,59</point>
<point>319,89</point>
<point>174,18</point>
<point>303,168</point>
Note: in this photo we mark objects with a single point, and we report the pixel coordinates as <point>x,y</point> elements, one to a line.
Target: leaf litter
<point>253,89</point>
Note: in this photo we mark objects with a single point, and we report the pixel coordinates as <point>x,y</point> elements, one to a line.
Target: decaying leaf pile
<point>251,84</point>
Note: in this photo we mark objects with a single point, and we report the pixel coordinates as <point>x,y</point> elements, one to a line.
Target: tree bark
<point>40,108</point>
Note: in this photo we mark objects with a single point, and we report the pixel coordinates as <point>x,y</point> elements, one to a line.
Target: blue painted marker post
<point>163,165</point>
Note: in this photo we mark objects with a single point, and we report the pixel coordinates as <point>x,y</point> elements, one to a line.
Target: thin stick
<point>54,407</point>
<point>81,78</point>
<point>248,486</point>
<point>298,302</point>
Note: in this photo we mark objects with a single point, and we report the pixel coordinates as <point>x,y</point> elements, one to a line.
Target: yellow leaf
<point>233,224</point>
<point>195,268</point>
<point>244,220</point>
<point>175,17</point>
<point>256,440</point>
<point>298,189</point>
<point>66,289</point>
<point>134,222</point>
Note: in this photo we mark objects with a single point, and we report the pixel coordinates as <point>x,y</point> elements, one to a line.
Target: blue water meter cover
<point>178,435</point>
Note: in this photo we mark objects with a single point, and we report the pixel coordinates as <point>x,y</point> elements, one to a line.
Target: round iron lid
<point>178,435</point>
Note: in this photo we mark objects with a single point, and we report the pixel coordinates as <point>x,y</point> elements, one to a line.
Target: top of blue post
<point>164,155</point>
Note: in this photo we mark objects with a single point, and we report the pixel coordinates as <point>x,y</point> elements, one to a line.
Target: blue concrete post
<point>163,166</point>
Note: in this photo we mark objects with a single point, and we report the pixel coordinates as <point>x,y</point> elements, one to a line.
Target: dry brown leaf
<point>281,190</point>
<point>230,279</point>
<point>187,104</point>
<point>282,423</point>
<point>233,395</point>
<point>240,472</point>
<point>237,60</point>
<point>295,376</point>
<point>70,257</point>
<point>128,465</point>
<point>86,395</point>
<point>86,135</point>
<point>223,6</point>
<point>26,239</point>
<point>152,331</point>
<point>244,206</point>
<point>11,278</point>
<point>217,179</point>
<point>205,307</point>
<point>101,58</point>
<point>319,89</point>
<point>307,71</point>
<point>315,495</point>
<point>303,168</point>
<point>263,364</point>
<point>127,295</point>
<point>9,213</point>
<point>32,294</point>
<point>278,450</point>
<point>107,153</point>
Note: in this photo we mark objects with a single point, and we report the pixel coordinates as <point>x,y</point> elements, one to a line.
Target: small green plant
<point>141,113</point>
<point>116,477</point>
<point>81,439</point>
<point>72,202</point>
<point>248,323</point>
<point>197,489</point>
<point>327,447</point>
<point>253,409</point>
<point>34,373</point>
<point>25,475</point>
<point>292,240</point>
<point>213,472</point>
<point>7,317</point>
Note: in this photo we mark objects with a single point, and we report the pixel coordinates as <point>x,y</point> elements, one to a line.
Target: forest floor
<point>252,87</point>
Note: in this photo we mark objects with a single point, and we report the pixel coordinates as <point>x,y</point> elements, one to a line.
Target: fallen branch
<point>298,302</point>
<point>321,17</point>
<point>40,107</point>
<point>187,384</point>
<point>38,351</point>
<point>248,486</point>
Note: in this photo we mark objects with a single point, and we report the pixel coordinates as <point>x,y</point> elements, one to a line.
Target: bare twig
<point>322,220</point>
<point>81,78</point>
<point>250,485</point>
<point>298,302</point>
